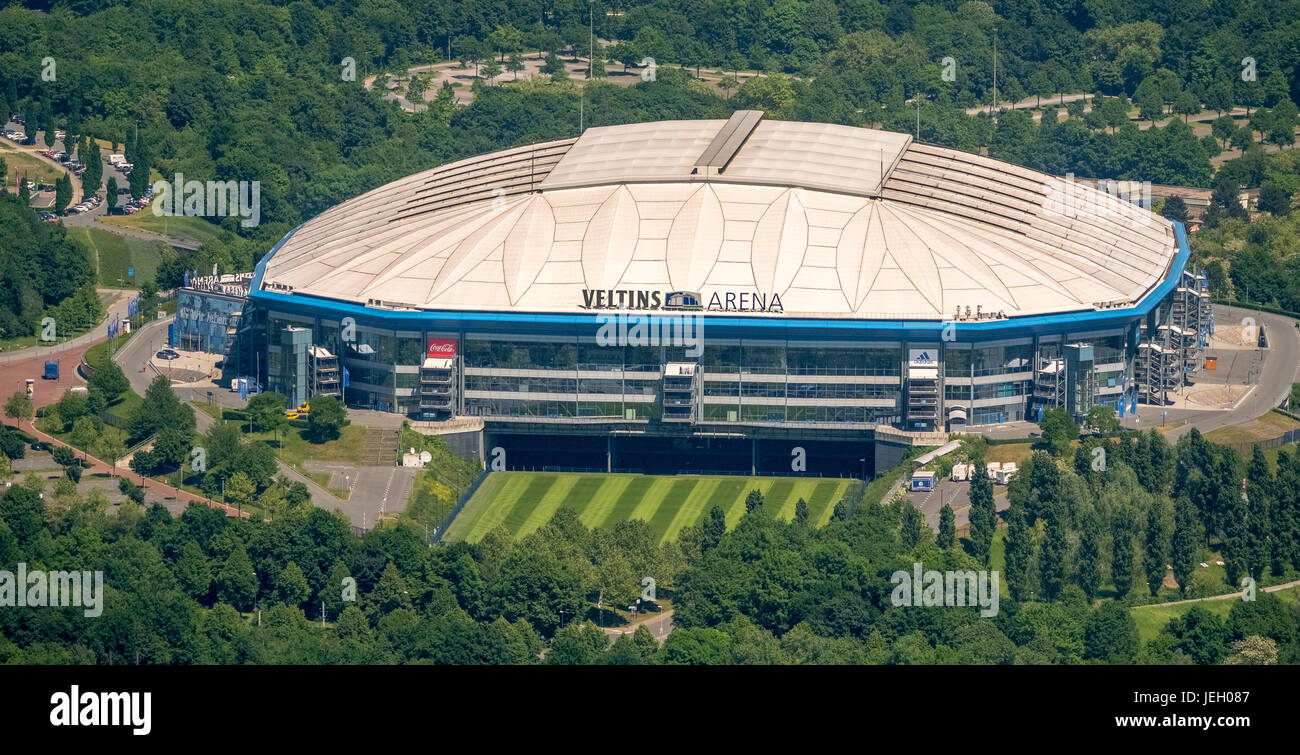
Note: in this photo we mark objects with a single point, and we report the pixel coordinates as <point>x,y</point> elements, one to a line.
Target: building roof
<point>838,221</point>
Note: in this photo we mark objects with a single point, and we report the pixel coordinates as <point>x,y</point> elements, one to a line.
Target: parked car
<point>168,354</point>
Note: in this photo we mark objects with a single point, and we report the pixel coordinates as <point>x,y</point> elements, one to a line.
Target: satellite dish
<point>426,457</point>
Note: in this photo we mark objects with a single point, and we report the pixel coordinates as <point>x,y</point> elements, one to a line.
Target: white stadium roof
<point>839,221</point>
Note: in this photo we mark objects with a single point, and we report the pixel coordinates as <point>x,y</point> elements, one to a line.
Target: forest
<point>1083,551</point>
<point>42,273</point>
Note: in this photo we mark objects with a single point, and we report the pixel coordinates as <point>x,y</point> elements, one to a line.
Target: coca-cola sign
<point>442,348</point>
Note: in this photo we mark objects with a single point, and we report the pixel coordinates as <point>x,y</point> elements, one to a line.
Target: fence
<point>1290,436</point>
<point>460,504</point>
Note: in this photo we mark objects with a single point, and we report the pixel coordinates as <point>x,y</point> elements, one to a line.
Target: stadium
<point>842,290</point>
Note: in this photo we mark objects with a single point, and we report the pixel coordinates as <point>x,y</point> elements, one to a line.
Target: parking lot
<point>957,495</point>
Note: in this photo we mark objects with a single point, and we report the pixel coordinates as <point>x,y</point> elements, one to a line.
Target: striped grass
<point>522,502</point>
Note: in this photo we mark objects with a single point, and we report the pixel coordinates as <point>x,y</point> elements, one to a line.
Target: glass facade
<point>204,321</point>
<point>526,376</point>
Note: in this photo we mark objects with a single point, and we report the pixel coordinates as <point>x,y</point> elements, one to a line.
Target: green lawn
<point>1265,427</point>
<point>524,501</point>
<point>117,254</point>
<point>1151,619</point>
<point>31,167</point>
<point>174,226</point>
<point>295,450</point>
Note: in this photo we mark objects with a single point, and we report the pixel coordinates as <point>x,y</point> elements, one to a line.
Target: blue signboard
<point>345,377</point>
<point>243,390</point>
<point>130,271</point>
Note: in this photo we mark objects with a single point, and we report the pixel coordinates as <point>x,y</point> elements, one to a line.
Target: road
<point>118,305</point>
<point>1279,369</point>
<point>373,490</point>
<point>98,466</point>
<point>659,625</point>
<point>1225,596</point>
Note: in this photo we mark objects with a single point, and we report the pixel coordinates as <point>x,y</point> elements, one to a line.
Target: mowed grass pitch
<point>524,501</point>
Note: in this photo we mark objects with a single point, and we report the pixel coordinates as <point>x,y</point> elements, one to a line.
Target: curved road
<point>1280,368</point>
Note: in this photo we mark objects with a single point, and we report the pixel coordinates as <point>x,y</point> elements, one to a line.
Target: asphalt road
<point>373,490</point>
<point>1279,369</point>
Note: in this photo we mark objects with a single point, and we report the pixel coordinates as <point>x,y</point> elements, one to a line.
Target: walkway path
<point>1225,596</point>
<point>98,466</point>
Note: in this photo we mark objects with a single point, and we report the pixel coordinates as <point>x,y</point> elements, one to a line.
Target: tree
<point>577,644</point>
<point>1088,574</point>
<point>514,64</point>
<point>1110,635</point>
<point>193,571</point>
<point>110,446</point>
<point>753,501</point>
<point>1059,430</point>
<point>1187,105</point>
<point>947,527</point>
<point>62,193</point>
<point>983,513</point>
<point>1175,209</point>
<point>491,69</point>
<point>110,199</point>
<point>389,593</point>
<point>1218,97</point>
<point>714,528</point>
<point>1150,106</point>
<point>1019,551</point>
<point>266,411</point>
<point>1253,651</point>
<point>236,583</point>
<point>162,411</point>
<point>801,511</point>
<point>110,381</point>
<point>1274,200</point>
<point>1157,546</point>
<point>240,490</point>
<point>1225,201</point>
<point>506,39</point>
<point>291,586</point>
<point>913,526</point>
<point>326,418</point>
<point>94,175</point>
<point>22,511</point>
<point>1103,420</point>
<point>1200,635</point>
<point>1122,553</point>
<point>18,407</point>
<point>553,65</point>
